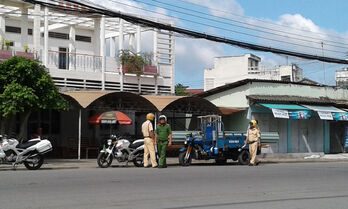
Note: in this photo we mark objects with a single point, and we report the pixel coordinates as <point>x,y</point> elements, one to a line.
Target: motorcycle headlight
<point>109,142</point>
<point>185,142</point>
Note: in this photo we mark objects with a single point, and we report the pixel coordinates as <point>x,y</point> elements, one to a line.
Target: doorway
<point>63,58</point>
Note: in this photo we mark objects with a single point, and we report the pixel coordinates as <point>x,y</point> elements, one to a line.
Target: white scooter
<point>30,153</point>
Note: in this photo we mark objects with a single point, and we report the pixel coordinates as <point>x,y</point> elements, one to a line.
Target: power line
<point>261,20</point>
<point>229,30</point>
<point>245,23</point>
<point>150,23</point>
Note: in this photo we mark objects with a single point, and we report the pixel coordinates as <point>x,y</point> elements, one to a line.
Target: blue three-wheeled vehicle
<point>213,143</point>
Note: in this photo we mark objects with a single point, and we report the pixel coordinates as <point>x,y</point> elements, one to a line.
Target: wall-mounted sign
<point>340,116</point>
<point>280,113</point>
<point>325,115</point>
<point>346,138</point>
<point>300,114</point>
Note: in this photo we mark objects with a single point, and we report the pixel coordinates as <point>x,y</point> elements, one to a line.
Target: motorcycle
<point>122,150</point>
<point>30,153</point>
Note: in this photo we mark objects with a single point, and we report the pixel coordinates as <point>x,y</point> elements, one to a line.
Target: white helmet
<point>162,117</point>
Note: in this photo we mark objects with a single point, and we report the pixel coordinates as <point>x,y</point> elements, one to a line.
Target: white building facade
<point>341,77</point>
<point>236,68</point>
<point>82,51</point>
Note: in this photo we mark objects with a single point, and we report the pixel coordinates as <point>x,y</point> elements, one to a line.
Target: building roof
<point>246,81</point>
<point>160,102</point>
<point>296,100</point>
<point>85,98</point>
<point>194,91</point>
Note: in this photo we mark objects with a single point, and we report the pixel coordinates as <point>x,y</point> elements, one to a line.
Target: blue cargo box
<point>232,142</point>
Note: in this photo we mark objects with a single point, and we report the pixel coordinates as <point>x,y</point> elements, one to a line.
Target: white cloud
<point>232,6</point>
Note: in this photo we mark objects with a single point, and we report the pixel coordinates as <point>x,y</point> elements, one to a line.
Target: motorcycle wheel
<point>244,158</point>
<point>102,162</point>
<point>38,161</point>
<point>182,160</point>
<point>139,159</point>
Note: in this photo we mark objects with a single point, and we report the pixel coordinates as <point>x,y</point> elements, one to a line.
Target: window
<point>30,31</point>
<point>83,38</point>
<point>57,35</point>
<point>11,29</point>
<point>286,78</point>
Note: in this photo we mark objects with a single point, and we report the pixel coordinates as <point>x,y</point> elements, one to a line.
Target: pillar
<point>45,52</point>
<point>288,136</point>
<point>36,28</point>
<point>112,47</point>
<point>72,48</point>
<point>24,27</point>
<point>326,132</point>
<point>102,49</point>
<point>2,27</point>
<point>96,36</point>
<point>138,39</point>
<point>120,47</point>
<point>132,42</point>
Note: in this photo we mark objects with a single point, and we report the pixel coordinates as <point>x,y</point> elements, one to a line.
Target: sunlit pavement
<point>282,185</point>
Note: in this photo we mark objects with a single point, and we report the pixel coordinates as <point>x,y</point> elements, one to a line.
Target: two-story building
<point>81,50</point>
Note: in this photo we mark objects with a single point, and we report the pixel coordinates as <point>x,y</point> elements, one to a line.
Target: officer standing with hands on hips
<point>163,134</point>
<point>253,139</point>
<point>149,141</point>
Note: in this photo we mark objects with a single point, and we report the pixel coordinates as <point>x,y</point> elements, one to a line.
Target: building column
<point>36,29</point>
<point>72,48</point>
<point>45,53</point>
<point>96,36</point>
<point>326,132</point>
<point>155,34</point>
<point>2,27</point>
<point>138,39</point>
<point>132,42</point>
<point>102,49</point>
<point>120,48</point>
<point>24,27</point>
<point>288,136</point>
<point>112,47</point>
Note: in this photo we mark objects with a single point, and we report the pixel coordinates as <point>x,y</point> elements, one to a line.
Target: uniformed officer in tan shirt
<point>253,139</point>
<point>149,141</point>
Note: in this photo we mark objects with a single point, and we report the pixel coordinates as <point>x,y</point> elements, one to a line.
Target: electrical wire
<point>245,23</point>
<point>228,30</point>
<point>261,20</point>
<point>150,23</point>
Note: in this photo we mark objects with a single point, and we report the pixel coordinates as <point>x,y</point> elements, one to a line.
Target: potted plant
<point>131,63</point>
<point>148,67</point>
<point>5,53</point>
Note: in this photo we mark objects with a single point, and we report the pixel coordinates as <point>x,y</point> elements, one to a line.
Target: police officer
<point>149,141</point>
<point>163,133</point>
<point>253,139</point>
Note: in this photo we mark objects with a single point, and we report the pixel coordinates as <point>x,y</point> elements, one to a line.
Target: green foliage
<point>134,63</point>
<point>180,90</point>
<point>131,62</point>
<point>26,85</point>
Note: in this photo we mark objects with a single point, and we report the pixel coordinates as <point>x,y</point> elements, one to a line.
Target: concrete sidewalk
<point>265,158</point>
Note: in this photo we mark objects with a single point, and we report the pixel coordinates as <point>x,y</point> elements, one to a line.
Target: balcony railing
<point>74,61</point>
<point>6,54</point>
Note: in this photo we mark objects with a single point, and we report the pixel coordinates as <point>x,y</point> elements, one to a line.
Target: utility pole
<point>322,49</point>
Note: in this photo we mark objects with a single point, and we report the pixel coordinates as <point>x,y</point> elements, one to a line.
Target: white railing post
<point>120,46</point>
<point>102,50</point>
<point>45,53</point>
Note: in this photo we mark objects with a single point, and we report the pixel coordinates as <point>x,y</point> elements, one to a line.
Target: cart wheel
<point>244,158</point>
<point>221,161</point>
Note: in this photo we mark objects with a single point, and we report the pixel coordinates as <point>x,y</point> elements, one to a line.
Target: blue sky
<point>302,24</point>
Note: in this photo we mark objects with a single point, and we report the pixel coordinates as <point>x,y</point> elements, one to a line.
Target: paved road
<point>292,185</point>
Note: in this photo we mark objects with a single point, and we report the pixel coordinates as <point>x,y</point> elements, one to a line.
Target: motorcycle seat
<point>27,144</point>
<point>135,145</point>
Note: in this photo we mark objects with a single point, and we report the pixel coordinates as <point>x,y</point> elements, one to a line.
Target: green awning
<point>284,106</point>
